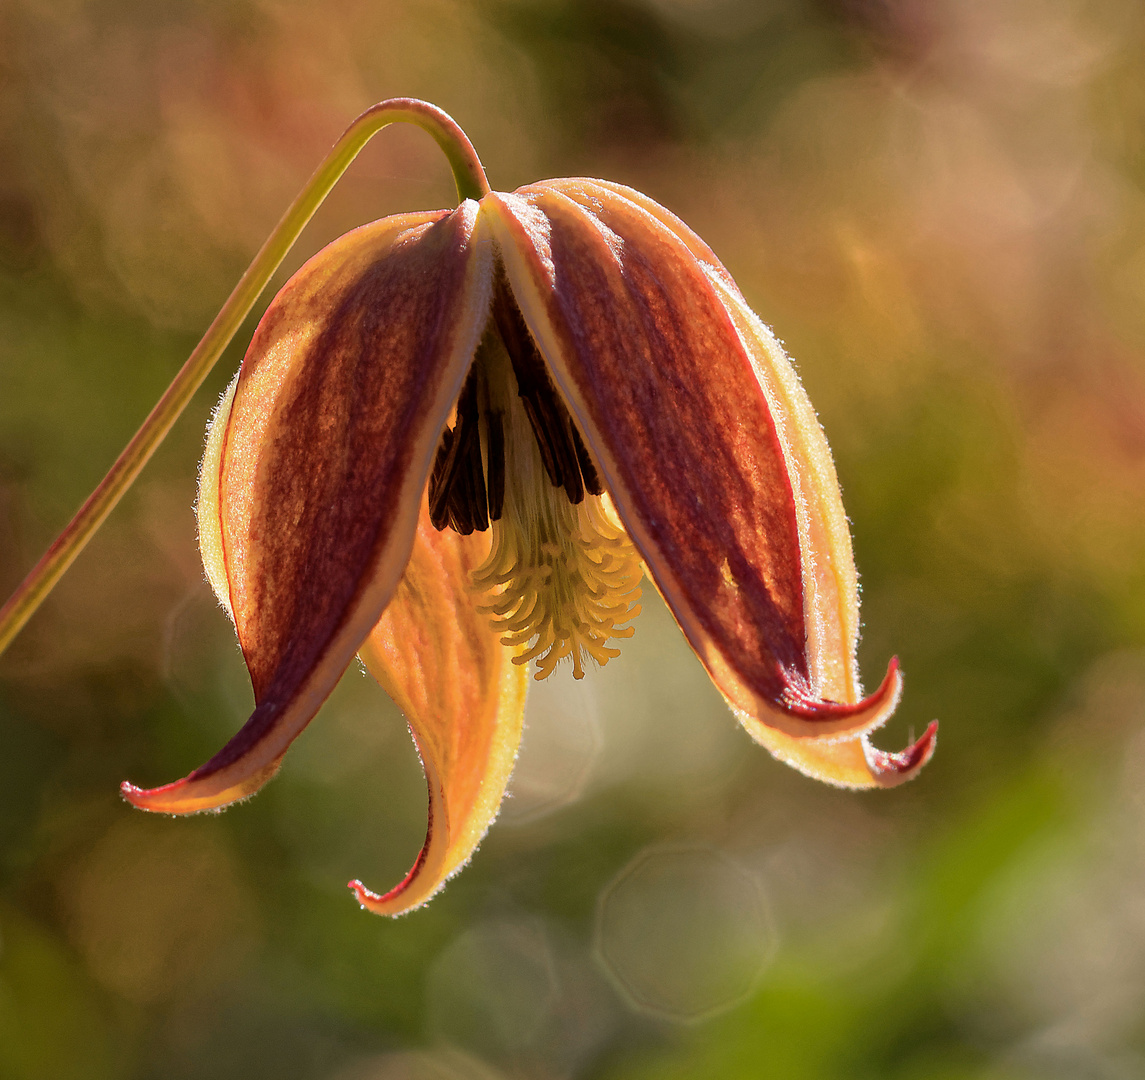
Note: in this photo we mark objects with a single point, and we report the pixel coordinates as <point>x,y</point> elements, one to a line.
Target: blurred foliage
<point>941,209</point>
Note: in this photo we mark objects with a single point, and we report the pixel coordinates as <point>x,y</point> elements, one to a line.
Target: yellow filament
<point>566,581</point>
<point>561,580</point>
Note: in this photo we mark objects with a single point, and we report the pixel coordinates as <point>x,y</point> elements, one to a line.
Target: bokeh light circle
<point>560,748</point>
<point>494,988</point>
<point>684,933</point>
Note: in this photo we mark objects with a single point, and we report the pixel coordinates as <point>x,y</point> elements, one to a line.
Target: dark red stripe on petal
<point>342,398</point>
<point>803,706</point>
<point>340,439</point>
<point>657,376</point>
<point>584,190</point>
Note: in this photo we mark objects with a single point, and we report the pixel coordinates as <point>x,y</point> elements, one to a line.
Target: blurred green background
<point>940,207</point>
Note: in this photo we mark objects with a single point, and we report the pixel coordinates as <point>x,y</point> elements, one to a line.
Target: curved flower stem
<point>471,184</point>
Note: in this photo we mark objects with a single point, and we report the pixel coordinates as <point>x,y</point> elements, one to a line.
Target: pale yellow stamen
<point>560,580</point>
<point>563,583</point>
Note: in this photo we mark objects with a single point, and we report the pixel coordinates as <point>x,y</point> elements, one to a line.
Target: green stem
<point>471,184</point>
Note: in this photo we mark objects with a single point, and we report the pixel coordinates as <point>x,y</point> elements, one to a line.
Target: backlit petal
<point>207,505</point>
<point>851,763</point>
<point>831,595</point>
<point>335,419</point>
<point>464,698</point>
<point>695,450</point>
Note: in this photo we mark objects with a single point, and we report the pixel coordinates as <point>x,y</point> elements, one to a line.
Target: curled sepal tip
<point>806,717</point>
<point>850,763</point>
<point>463,697</point>
<point>890,770</point>
<point>193,795</point>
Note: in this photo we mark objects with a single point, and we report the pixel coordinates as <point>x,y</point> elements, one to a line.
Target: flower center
<point>562,577</point>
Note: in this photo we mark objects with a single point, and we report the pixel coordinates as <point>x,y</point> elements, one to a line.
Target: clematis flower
<point>456,443</point>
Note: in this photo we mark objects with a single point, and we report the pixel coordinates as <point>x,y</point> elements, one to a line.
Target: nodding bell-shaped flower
<point>457,441</point>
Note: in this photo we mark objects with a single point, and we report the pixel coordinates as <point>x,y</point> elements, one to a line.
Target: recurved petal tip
<point>200,791</point>
<point>398,901</point>
<point>882,701</point>
<point>890,770</point>
<point>464,699</point>
<point>365,897</point>
<point>849,763</point>
<point>830,720</point>
<point>846,759</point>
<point>424,880</point>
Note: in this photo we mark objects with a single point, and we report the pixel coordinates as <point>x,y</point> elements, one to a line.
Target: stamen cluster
<point>562,572</point>
<point>567,577</point>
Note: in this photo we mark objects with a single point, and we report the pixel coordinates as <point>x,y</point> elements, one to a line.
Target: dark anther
<point>472,485</point>
<point>438,493</point>
<point>457,482</point>
<point>557,438</point>
<point>495,465</point>
<point>466,496</point>
<point>587,468</point>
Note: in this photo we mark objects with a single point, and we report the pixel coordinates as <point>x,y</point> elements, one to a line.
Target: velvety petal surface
<point>831,598</point>
<point>329,440</point>
<point>831,595</point>
<point>464,699</point>
<point>697,450</point>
